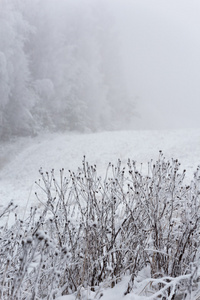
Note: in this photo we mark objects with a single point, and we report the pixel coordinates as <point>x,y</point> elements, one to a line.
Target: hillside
<point>20,160</point>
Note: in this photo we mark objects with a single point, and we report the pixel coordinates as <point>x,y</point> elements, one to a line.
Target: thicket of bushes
<point>93,231</point>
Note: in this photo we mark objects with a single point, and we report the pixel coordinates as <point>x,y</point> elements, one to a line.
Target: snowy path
<point>19,170</point>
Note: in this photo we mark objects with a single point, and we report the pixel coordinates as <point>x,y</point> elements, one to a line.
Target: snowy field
<point>20,160</point>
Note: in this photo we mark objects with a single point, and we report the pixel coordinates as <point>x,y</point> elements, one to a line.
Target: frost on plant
<point>92,231</point>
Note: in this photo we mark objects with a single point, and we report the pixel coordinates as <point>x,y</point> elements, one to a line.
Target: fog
<point>161,47</point>
<point>91,65</point>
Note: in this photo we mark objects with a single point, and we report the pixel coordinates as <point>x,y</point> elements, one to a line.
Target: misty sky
<point>161,43</point>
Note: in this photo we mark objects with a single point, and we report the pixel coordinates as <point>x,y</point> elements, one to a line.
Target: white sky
<point>161,43</point>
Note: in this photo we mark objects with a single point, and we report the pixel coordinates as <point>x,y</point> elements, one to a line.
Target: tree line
<point>60,68</point>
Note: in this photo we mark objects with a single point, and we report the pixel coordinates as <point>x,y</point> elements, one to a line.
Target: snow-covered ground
<point>21,159</point>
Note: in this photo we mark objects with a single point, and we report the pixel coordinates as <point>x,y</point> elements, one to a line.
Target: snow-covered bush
<point>93,231</point>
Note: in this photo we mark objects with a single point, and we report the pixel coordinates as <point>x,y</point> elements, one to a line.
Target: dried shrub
<point>93,231</point>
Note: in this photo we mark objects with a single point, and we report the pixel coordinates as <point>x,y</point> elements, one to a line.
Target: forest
<point>60,68</point>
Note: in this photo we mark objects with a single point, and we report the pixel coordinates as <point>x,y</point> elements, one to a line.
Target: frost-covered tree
<point>60,67</point>
<point>16,96</point>
<point>65,50</point>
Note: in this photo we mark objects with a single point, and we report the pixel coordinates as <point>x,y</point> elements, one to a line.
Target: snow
<point>115,293</point>
<point>21,159</point>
